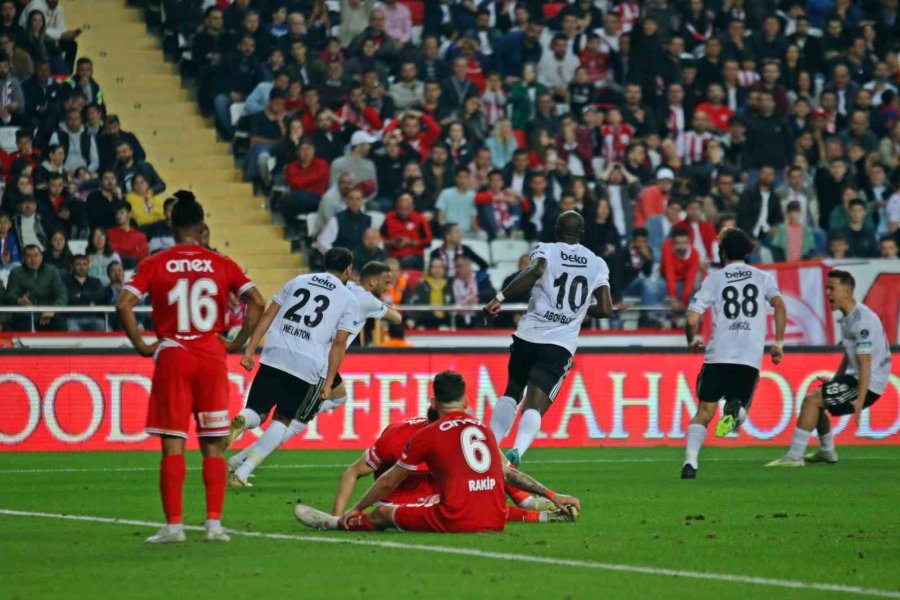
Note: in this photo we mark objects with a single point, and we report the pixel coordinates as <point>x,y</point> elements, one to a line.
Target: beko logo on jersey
<point>737,274</point>
<point>323,282</point>
<point>197,265</point>
<point>581,260</point>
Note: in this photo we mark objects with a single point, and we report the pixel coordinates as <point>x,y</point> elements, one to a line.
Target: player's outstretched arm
<point>522,282</point>
<point>335,358</point>
<point>393,316</point>
<point>249,358</point>
<point>125,310</point>
<point>778,304</point>
<point>348,482</point>
<point>603,308</point>
<point>255,306</point>
<point>520,480</point>
<point>383,486</point>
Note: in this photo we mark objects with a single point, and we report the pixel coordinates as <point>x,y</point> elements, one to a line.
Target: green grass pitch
<point>821,524</point>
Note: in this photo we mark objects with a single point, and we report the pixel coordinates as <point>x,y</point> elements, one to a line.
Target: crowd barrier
<point>51,401</point>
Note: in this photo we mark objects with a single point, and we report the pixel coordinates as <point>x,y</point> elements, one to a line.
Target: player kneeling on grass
<point>462,456</point>
<point>858,383</point>
<point>419,488</point>
<point>731,369</point>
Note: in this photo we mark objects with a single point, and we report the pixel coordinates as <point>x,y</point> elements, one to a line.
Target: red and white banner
<point>99,402</point>
<point>809,316</point>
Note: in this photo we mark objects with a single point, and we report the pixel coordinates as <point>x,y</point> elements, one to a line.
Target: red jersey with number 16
<point>188,288</point>
<point>463,458</point>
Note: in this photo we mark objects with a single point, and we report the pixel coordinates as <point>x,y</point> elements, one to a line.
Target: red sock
<point>516,495</point>
<point>171,486</point>
<point>514,514</point>
<point>360,523</point>
<point>215,474</point>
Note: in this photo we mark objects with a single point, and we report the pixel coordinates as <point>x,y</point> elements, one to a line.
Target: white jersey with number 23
<point>561,297</point>
<point>739,295</point>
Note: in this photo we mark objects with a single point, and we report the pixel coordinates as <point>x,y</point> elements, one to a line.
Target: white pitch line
<point>585,461</point>
<point>524,558</point>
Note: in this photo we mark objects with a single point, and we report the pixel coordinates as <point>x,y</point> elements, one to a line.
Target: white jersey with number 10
<point>739,295</point>
<point>313,309</point>
<point>562,296</point>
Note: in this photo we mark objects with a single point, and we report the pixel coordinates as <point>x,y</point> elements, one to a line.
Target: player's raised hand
<point>491,310</point>
<point>777,354</point>
<point>696,346</point>
<point>248,360</point>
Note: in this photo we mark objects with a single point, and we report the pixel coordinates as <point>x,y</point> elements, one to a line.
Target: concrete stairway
<point>146,93</point>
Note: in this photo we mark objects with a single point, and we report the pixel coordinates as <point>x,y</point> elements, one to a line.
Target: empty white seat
<point>8,138</point>
<point>501,271</point>
<point>78,246</point>
<point>508,250</point>
<point>377,218</point>
<point>479,247</point>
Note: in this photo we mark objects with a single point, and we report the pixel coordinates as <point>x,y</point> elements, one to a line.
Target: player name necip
<point>481,485</point>
<point>197,265</point>
<point>295,331</point>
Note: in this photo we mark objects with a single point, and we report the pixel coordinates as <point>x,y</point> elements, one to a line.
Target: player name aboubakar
<point>290,329</point>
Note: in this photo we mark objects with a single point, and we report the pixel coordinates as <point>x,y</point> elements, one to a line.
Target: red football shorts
<point>429,518</point>
<point>185,384</point>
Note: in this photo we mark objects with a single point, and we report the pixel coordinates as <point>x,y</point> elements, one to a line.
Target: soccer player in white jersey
<point>737,294</point>
<point>859,382</point>
<point>374,279</point>
<point>306,326</point>
<point>563,278</point>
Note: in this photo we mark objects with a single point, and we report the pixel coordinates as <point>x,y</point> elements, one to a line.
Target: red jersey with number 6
<point>463,458</point>
<point>188,288</point>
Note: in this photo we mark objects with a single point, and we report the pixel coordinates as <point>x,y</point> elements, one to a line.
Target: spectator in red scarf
<point>702,233</point>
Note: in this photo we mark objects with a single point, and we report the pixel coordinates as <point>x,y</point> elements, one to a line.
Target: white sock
<point>502,419</point>
<point>528,503</point>
<point>295,427</point>
<point>529,426</point>
<point>238,458</point>
<point>332,404</point>
<point>742,416</point>
<point>175,528</point>
<point>332,522</point>
<point>798,443</point>
<point>696,433</point>
<point>544,517</point>
<point>264,446</point>
<point>213,524</point>
<point>251,417</point>
<point>826,442</point>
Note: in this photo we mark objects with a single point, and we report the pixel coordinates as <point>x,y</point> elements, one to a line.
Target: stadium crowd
<point>446,136</point>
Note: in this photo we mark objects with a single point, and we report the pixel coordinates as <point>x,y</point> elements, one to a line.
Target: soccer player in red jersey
<point>419,488</point>
<point>461,454</point>
<point>188,287</point>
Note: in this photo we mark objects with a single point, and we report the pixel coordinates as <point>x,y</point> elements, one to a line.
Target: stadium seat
<point>479,247</point>
<point>416,9</point>
<point>508,250</point>
<point>377,218</point>
<point>78,246</point>
<point>551,9</point>
<point>312,223</point>
<point>8,138</point>
<point>4,276</point>
<point>501,271</point>
<point>237,111</point>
